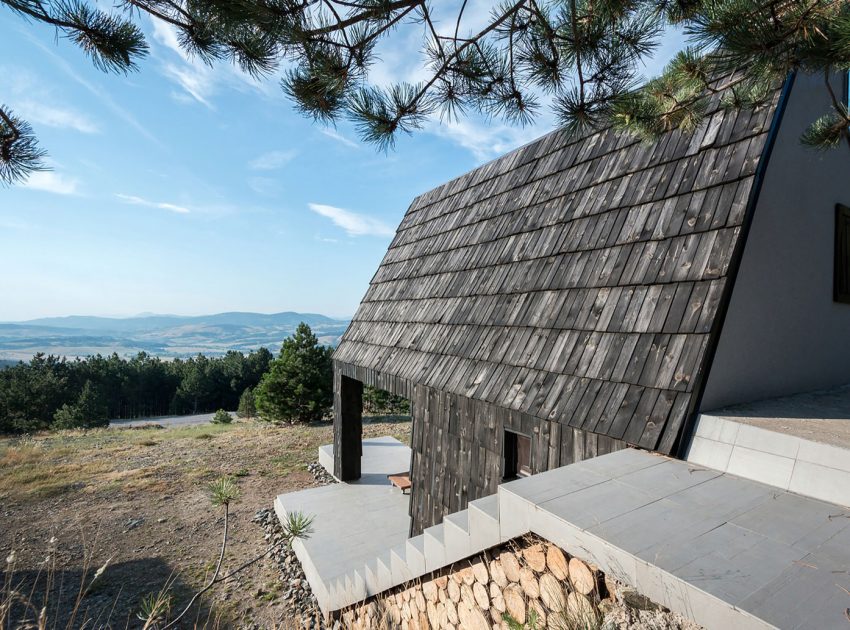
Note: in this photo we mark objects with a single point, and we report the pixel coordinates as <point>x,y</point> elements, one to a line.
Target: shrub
<point>221,417</point>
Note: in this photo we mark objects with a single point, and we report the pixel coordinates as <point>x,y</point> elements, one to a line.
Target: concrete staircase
<point>459,536</point>
<point>724,551</point>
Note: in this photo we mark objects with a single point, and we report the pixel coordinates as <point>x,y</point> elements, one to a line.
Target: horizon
<point>188,189</point>
<point>147,314</point>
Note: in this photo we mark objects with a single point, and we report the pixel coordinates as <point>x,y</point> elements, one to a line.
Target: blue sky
<point>189,190</point>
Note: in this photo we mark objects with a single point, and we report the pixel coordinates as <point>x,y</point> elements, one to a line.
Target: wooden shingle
<point>574,282</point>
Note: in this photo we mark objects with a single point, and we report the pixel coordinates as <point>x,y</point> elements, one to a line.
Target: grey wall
<point>783,333</point>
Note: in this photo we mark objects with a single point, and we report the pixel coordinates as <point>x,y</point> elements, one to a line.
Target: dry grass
<point>139,497</point>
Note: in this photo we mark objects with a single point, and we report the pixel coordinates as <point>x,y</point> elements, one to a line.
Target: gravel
<point>298,601</point>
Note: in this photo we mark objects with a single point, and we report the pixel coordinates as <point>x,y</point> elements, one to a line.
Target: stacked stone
<point>322,476</point>
<point>297,598</point>
<point>533,583</point>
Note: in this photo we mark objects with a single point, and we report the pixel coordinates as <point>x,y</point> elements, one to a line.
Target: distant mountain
<point>161,335</point>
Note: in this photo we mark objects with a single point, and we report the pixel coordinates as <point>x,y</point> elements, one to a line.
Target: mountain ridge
<point>160,335</point>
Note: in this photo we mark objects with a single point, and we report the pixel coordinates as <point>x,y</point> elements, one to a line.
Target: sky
<point>188,190</point>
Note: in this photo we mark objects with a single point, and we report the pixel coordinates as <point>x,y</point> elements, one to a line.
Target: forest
<point>50,391</point>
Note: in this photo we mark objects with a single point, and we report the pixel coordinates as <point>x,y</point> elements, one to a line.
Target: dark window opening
<point>517,455</point>
<point>841,278</point>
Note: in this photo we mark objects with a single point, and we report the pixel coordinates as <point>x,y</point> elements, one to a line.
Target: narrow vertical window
<point>517,455</point>
<point>841,278</point>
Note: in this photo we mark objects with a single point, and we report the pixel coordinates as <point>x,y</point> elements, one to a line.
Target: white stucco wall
<point>783,333</point>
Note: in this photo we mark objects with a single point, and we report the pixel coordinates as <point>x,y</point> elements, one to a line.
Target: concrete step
<point>514,513</point>
<point>435,549</point>
<point>385,573</point>
<point>358,586</point>
<point>370,576</point>
<point>483,522</point>
<point>398,560</point>
<point>415,555</point>
<point>456,536</point>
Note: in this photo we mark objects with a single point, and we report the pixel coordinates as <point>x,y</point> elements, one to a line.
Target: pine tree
<point>582,56</point>
<point>299,384</point>
<point>88,412</point>
<point>247,408</point>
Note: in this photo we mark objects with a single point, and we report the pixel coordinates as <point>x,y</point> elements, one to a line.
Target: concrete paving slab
<point>794,520</point>
<point>598,504</point>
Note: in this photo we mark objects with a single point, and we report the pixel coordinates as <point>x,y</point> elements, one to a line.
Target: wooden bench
<point>401,481</point>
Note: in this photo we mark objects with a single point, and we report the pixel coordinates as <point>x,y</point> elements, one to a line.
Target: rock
<point>497,573</point>
<point>529,583</point>
<point>466,575</point>
<point>453,590</point>
<point>535,557</point>
<point>581,576</point>
<point>612,587</point>
<point>429,590</point>
<point>510,565</point>
<point>552,592</point>
<point>481,598</point>
<point>451,611</point>
<point>472,618</point>
<point>433,615</point>
<point>479,570</point>
<point>515,603</point>
<point>557,562</point>
<point>497,602</point>
<point>637,601</point>
<point>580,610</point>
<point>535,607</point>
<point>466,595</point>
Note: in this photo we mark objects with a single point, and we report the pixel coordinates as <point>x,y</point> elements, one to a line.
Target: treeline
<point>51,391</point>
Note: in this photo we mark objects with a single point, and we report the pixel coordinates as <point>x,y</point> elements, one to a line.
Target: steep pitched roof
<point>576,280</point>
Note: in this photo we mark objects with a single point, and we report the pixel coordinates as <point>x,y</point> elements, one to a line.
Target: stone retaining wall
<point>527,583</point>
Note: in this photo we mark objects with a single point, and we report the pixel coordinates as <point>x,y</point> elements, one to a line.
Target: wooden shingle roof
<point>575,280</point>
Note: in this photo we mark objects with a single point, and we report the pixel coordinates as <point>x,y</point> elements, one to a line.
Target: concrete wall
<point>783,333</point>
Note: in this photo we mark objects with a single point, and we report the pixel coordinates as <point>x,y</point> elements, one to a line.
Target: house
<point>581,295</point>
<point>636,352</point>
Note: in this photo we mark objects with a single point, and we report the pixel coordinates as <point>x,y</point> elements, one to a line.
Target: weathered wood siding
<point>573,280</point>
<point>457,445</point>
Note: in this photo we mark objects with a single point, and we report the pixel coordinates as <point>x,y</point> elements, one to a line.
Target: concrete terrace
<point>352,522</point>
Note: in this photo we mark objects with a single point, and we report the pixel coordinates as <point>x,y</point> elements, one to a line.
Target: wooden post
<point>348,427</point>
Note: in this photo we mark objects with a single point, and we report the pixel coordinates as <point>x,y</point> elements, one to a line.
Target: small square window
<point>841,278</point>
<point>517,461</point>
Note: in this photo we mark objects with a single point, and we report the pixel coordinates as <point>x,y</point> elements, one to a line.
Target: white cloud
<point>48,181</point>
<point>138,201</point>
<point>354,224</point>
<point>37,102</point>
<point>335,135</point>
<point>101,94</point>
<point>264,185</point>
<point>58,117</point>
<point>272,160</point>
<point>487,140</point>
<point>199,81</point>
